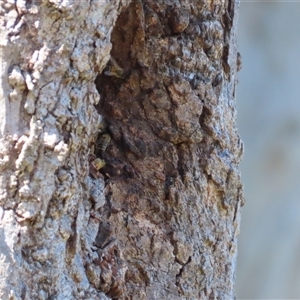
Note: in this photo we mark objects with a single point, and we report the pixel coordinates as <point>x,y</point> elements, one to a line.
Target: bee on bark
<point>103,142</point>
<point>114,69</point>
<point>98,163</point>
<point>218,79</point>
<point>100,129</point>
<point>95,164</point>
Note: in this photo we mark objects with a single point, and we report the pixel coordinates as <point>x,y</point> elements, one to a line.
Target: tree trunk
<point>135,196</point>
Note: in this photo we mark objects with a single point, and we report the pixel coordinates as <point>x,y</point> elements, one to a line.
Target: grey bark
<point>153,212</point>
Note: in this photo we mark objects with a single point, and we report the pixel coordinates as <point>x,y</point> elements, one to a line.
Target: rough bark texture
<point>160,219</point>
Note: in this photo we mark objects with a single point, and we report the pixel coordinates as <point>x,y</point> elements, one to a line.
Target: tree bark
<point>135,196</point>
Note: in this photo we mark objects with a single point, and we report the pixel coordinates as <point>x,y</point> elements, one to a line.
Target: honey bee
<point>98,163</point>
<point>103,142</point>
<point>114,69</point>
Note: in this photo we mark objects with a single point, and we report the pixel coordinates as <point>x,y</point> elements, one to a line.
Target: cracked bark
<point>160,219</point>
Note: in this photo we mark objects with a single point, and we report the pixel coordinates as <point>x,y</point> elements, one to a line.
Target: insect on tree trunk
<point>119,150</point>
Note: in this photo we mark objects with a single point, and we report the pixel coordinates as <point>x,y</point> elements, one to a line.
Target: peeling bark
<point>135,196</point>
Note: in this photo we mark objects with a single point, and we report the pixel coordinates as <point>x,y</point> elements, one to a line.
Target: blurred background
<point>269,124</point>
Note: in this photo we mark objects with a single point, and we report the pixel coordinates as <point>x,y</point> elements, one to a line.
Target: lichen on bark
<point>160,219</point>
